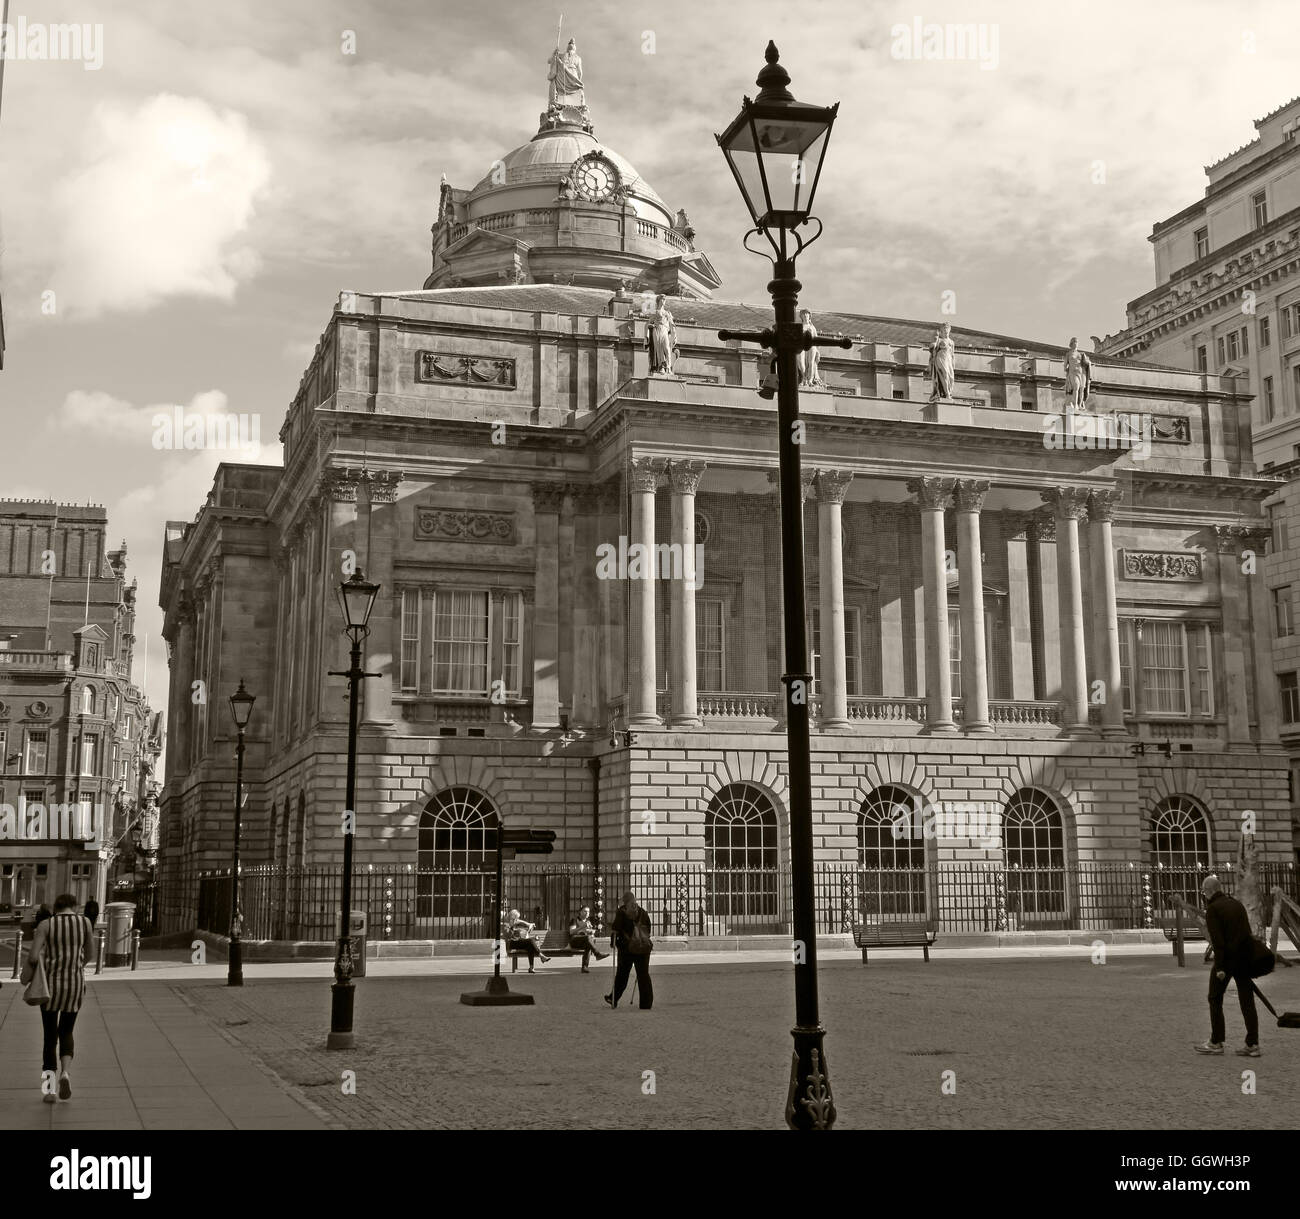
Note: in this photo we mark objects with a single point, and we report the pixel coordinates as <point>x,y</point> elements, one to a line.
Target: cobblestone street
<point>1033,1044</point>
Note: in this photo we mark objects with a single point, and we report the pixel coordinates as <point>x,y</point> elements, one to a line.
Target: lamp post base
<point>341,1036</point>
<point>235,966</point>
<point>496,993</point>
<point>809,1105</point>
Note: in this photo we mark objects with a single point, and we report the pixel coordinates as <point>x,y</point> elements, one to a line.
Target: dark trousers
<point>529,946</point>
<point>1245,996</point>
<point>58,1035</point>
<point>641,961</point>
<point>585,946</point>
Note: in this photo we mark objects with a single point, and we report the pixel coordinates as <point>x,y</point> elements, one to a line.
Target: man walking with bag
<point>1229,931</point>
<point>632,938</point>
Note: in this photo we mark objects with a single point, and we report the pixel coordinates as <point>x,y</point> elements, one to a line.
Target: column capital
<point>1042,526</point>
<point>832,485</point>
<point>970,493</point>
<point>932,492</point>
<point>684,476</point>
<point>383,485</point>
<point>548,497</point>
<point>1230,538</point>
<point>805,482</point>
<point>643,473</point>
<point>1067,503</point>
<point>1103,502</point>
<point>339,484</point>
<point>586,499</point>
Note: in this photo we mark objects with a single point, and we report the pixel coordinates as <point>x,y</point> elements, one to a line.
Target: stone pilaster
<point>1236,631</point>
<point>832,486</point>
<point>969,495</point>
<point>548,498</point>
<point>684,481</point>
<point>1069,505</point>
<point>643,479</point>
<point>381,545</point>
<point>1105,613</point>
<point>933,495</point>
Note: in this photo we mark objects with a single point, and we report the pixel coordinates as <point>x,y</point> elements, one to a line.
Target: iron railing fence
<point>302,903</point>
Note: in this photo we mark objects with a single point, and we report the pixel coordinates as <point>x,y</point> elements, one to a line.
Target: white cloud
<point>158,206</point>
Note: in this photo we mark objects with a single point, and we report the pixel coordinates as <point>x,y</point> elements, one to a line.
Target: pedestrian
<point>1230,937</point>
<point>92,911</point>
<point>520,933</point>
<point>632,938</point>
<point>63,942</point>
<point>582,932</point>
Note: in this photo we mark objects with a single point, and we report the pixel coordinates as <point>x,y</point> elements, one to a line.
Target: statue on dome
<point>809,362</point>
<point>1078,377</point>
<point>941,364</point>
<point>565,76</point>
<point>661,339</point>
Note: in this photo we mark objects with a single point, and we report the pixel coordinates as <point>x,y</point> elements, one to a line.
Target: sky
<point>181,206</point>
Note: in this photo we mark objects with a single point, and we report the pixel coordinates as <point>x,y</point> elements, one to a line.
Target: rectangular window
<point>1126,664</point>
<point>1288,322</point>
<point>90,755</point>
<point>1164,668</point>
<point>461,631</point>
<point>1295,387</point>
<point>1265,332</point>
<point>38,750</point>
<point>1277,543</point>
<point>1282,611</point>
<point>1270,407</point>
<point>1245,341</point>
<point>1202,242</point>
<point>1234,347</point>
<point>410,675</point>
<point>954,649</point>
<point>1259,204</point>
<point>710,644</point>
<point>852,652</point>
<point>1218,346</point>
<point>512,642</point>
<point>1290,692</point>
<point>1198,636</point>
<point>1202,358</point>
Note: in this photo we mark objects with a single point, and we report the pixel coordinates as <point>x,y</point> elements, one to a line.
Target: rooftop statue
<point>565,76</point>
<point>661,339</point>
<point>809,362</point>
<point>1078,377</point>
<point>941,364</point>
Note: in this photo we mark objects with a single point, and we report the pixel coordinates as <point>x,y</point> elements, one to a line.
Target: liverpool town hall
<point>1044,695</point>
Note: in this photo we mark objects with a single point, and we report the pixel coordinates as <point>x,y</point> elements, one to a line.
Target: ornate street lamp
<point>241,710</point>
<point>356,599</point>
<point>775,148</point>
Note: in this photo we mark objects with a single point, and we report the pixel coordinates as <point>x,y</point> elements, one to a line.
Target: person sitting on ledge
<point>520,933</point>
<point>582,933</point>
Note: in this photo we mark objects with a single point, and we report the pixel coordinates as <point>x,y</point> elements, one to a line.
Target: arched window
<point>891,855</point>
<point>457,856</point>
<point>740,859</point>
<point>1033,842</point>
<point>1180,849</point>
<point>88,700</point>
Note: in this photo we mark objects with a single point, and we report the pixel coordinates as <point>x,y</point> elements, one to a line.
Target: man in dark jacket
<point>632,923</point>
<point>1230,937</point>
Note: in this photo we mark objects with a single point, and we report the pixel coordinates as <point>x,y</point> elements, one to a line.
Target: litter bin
<point>120,917</point>
<point>357,934</point>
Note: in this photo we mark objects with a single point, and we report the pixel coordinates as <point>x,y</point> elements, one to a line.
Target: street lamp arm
<point>765,338</point>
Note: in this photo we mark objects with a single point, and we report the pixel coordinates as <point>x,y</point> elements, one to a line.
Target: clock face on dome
<point>596,178</point>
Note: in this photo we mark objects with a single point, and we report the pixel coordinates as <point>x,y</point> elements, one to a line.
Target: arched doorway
<point>1033,843</point>
<point>892,878</point>
<point>456,863</point>
<point>1180,851</point>
<point>741,861</point>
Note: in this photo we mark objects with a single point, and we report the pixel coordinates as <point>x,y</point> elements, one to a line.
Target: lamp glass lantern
<point>356,599</point>
<point>775,147</point>
<point>241,707</point>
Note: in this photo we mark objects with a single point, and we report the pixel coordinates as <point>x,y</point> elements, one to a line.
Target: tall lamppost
<point>775,147</point>
<point>241,709</point>
<point>356,598</point>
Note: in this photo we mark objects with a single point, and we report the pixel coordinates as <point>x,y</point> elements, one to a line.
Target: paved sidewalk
<point>145,1060</point>
<point>176,966</point>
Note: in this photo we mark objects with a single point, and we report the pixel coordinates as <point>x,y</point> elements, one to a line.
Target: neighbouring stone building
<point>1227,303</point>
<point>78,741</point>
<point>1007,602</point>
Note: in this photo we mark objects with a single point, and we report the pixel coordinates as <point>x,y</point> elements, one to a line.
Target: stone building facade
<point>79,743</point>
<point>1012,607</point>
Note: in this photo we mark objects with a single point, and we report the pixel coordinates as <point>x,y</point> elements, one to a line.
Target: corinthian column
<point>1105,613</point>
<point>548,498</point>
<point>932,494</point>
<point>832,485</point>
<point>684,480</point>
<point>970,493</point>
<point>643,478</point>
<point>1069,505</point>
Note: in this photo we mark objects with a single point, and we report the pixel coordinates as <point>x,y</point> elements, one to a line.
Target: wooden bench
<point>893,935</point>
<point>554,943</point>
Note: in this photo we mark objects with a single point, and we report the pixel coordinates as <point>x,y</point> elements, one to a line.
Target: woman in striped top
<point>64,940</point>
